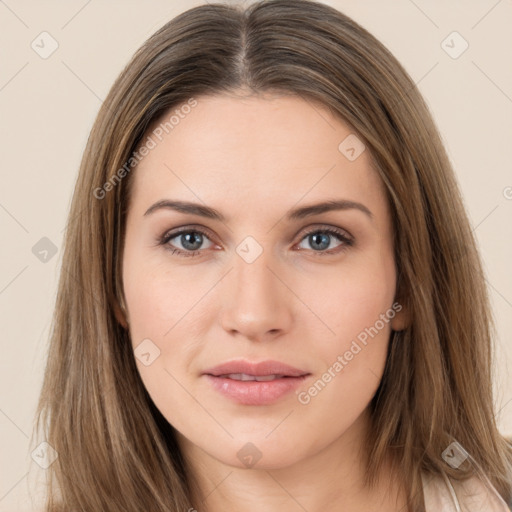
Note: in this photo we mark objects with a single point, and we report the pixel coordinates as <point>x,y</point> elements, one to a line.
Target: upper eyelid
<point>186,229</point>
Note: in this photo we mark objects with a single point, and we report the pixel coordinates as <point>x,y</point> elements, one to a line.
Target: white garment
<point>473,495</point>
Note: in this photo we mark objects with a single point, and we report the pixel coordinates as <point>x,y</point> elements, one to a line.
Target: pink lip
<point>254,392</point>
<point>258,369</point>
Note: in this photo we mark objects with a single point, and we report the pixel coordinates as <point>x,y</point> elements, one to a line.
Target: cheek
<point>163,307</point>
<point>157,298</point>
<point>146,302</point>
<point>353,357</point>
<point>354,300</point>
<point>357,305</point>
<point>157,309</point>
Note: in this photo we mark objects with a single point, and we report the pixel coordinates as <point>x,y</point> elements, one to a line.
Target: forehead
<point>273,148</point>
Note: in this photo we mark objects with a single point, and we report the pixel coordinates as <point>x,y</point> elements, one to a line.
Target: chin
<point>258,453</point>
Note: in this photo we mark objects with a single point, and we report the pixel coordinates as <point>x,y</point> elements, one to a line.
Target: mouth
<point>249,383</point>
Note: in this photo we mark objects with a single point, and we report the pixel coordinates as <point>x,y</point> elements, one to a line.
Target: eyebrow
<point>295,214</point>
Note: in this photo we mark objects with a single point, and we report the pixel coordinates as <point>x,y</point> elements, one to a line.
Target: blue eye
<point>320,240</point>
<point>190,241</point>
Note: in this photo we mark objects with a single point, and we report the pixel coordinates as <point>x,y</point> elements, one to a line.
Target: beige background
<point>48,107</point>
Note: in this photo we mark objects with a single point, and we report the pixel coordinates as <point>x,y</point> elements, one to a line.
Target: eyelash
<point>345,240</point>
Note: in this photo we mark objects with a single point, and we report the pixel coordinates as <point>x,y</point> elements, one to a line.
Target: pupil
<point>319,238</point>
<point>188,240</point>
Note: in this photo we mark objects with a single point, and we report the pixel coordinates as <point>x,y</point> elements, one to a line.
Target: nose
<point>255,300</point>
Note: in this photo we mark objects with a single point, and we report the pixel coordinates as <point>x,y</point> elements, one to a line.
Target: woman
<point>270,295</point>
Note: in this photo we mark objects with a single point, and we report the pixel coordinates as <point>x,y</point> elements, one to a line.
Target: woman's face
<point>245,272</point>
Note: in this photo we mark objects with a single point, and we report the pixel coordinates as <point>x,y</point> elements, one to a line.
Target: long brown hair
<point>115,450</point>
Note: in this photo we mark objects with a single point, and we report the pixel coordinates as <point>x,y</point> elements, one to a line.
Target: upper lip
<point>257,369</point>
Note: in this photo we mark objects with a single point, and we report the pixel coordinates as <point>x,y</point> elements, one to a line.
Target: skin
<point>253,158</point>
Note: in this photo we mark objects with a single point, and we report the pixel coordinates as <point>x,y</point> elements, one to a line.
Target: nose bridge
<point>255,301</point>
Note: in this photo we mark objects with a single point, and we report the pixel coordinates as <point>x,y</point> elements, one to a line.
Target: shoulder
<point>475,494</point>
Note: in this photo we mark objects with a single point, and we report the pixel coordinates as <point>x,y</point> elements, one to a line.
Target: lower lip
<point>252,392</point>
